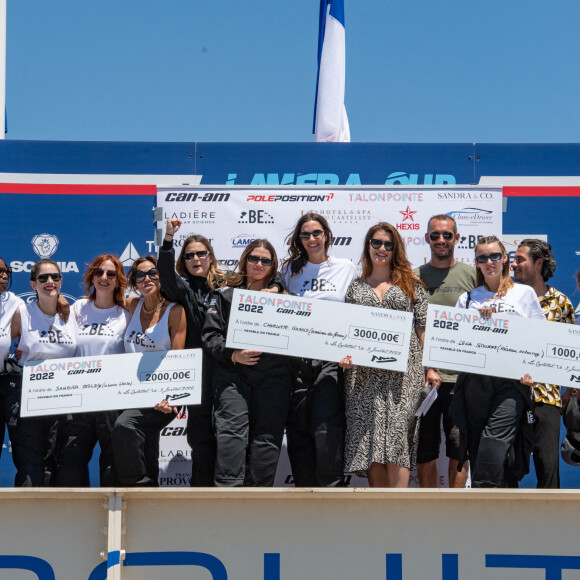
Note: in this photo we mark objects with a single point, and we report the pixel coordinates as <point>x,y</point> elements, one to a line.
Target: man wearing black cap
<point>534,265</point>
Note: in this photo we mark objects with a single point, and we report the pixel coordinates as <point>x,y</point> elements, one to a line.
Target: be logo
<point>255,216</point>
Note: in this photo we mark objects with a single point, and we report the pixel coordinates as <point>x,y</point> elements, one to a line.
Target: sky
<point>202,70</point>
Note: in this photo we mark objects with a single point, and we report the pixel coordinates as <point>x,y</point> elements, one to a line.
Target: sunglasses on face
<point>483,258</point>
<point>376,244</point>
<point>140,275</point>
<point>434,236</point>
<point>306,235</point>
<point>43,278</point>
<point>6,272</point>
<point>201,254</point>
<point>99,272</point>
<point>255,259</point>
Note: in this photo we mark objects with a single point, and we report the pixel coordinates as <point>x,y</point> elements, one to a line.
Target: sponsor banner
<point>320,329</point>
<point>231,218</point>
<point>110,382</point>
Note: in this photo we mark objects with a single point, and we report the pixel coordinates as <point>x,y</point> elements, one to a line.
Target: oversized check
<point>108,382</point>
<point>502,346</point>
<point>319,329</point>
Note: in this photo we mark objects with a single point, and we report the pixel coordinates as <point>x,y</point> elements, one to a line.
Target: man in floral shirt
<point>534,265</point>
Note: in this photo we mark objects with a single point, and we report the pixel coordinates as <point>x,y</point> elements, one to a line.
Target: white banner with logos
<point>232,217</point>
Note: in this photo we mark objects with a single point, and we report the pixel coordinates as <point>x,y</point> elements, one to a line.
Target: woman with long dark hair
<point>156,324</point>
<point>195,276</point>
<point>490,411</point>
<point>315,429</point>
<point>252,389</point>
<point>42,334</point>
<point>102,319</point>
<point>382,431</point>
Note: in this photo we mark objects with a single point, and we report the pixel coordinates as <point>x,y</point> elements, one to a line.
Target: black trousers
<point>494,410</point>
<point>79,433</point>
<point>316,425</point>
<point>547,445</point>
<point>249,417</point>
<point>34,439</point>
<point>200,433</point>
<point>135,442</point>
<point>430,428</point>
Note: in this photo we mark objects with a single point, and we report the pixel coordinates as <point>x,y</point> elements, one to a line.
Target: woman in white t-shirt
<point>156,324</point>
<point>102,319</point>
<point>316,423</point>
<point>42,334</point>
<point>490,411</point>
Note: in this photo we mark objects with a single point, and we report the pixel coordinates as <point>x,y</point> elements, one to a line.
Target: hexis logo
<point>254,216</point>
<point>408,215</point>
<point>44,245</point>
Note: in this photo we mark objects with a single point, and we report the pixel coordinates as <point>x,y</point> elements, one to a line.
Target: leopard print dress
<point>381,425</point>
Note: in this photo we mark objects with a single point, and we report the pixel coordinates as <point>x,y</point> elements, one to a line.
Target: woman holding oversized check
<point>490,411</point>
<point>315,429</point>
<point>42,334</point>
<point>252,389</point>
<point>156,324</point>
<point>382,431</point>
<point>102,320</point>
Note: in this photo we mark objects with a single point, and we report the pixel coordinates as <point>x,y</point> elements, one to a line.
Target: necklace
<point>158,307</point>
<point>49,319</point>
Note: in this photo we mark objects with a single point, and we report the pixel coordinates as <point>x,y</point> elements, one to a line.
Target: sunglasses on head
<point>99,272</point>
<point>434,236</point>
<point>376,244</point>
<point>140,275</point>
<point>306,235</point>
<point>255,259</point>
<point>201,254</point>
<point>483,258</point>
<point>43,278</point>
<point>6,271</point>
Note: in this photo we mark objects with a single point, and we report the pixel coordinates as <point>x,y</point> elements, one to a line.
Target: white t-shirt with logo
<point>152,339</point>
<point>101,330</point>
<point>9,302</point>
<point>45,337</point>
<point>327,281</point>
<point>519,299</point>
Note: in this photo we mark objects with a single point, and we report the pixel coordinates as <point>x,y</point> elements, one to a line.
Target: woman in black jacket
<point>191,286</point>
<point>252,389</point>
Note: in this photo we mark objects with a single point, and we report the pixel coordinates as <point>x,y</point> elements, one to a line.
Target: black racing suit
<point>193,295</point>
<point>251,404</point>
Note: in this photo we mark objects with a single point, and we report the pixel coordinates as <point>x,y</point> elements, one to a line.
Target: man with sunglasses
<point>445,280</point>
<point>534,265</point>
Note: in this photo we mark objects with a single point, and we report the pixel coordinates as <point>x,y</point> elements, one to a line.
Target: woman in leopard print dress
<point>382,430</point>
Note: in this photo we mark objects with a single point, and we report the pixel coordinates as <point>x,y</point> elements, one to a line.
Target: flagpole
<point>2,68</point>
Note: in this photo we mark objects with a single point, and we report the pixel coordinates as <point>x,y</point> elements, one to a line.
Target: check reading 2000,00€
<point>110,382</point>
<point>319,329</point>
<point>505,345</point>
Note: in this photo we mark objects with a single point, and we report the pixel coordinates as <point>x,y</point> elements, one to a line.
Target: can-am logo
<point>242,240</point>
<point>209,196</point>
<point>255,216</point>
<point>408,215</point>
<point>472,216</point>
<point>44,245</point>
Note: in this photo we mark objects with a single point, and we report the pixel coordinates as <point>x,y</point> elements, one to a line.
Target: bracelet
<point>169,235</point>
<point>233,359</point>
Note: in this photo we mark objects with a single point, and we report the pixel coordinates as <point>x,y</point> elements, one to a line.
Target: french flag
<point>330,120</point>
